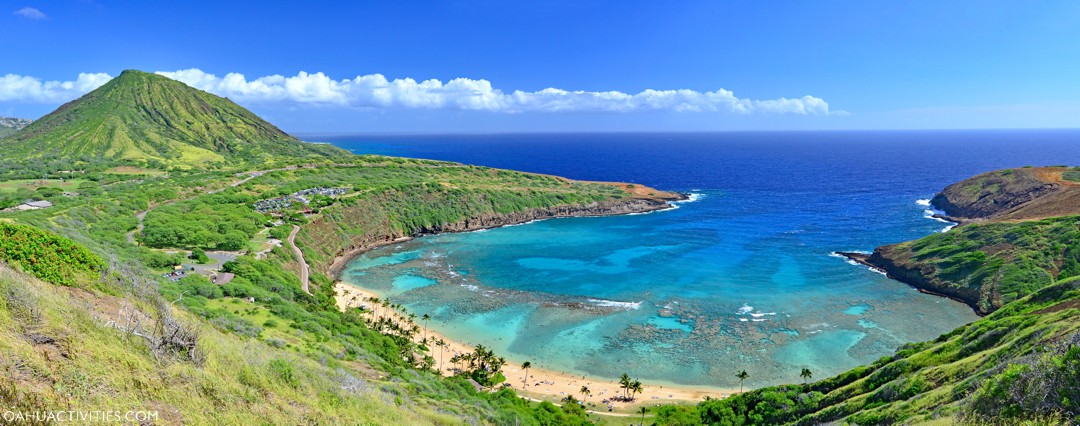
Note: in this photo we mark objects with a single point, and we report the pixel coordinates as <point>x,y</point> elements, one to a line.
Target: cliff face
<point>331,241</point>
<point>1020,234</point>
<point>898,265</point>
<point>607,208</point>
<point>1025,193</point>
<point>986,265</point>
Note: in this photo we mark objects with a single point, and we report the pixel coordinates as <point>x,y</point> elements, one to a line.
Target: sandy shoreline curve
<point>544,384</point>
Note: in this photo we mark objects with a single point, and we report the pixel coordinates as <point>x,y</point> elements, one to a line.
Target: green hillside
<point>988,265</point>
<point>150,119</point>
<point>73,349</point>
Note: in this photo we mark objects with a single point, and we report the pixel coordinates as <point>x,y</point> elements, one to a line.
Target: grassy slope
<point>57,354</point>
<point>314,365</point>
<point>285,323</point>
<point>396,202</point>
<point>1013,194</point>
<point>144,117</point>
<point>991,264</point>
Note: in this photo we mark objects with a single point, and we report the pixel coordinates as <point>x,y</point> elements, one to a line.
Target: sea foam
<point>615,304</point>
<point>848,259</point>
<point>931,213</point>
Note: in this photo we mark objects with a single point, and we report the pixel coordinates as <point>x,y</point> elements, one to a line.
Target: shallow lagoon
<point>672,296</point>
<point>741,279</point>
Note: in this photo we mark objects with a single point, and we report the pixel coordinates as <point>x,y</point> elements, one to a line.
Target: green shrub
<point>48,256</point>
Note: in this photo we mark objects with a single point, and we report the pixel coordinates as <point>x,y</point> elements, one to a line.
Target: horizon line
<point>301,135</point>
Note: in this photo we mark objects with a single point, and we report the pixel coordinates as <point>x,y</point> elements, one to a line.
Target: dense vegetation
<point>290,328</point>
<point>46,255</point>
<point>992,264</point>
<point>155,121</point>
<point>223,221</point>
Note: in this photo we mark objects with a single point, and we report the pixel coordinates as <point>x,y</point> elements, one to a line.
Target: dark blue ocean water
<point>740,278</point>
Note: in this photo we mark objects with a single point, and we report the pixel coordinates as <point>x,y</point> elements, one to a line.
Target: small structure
<point>34,205</point>
<point>221,278</point>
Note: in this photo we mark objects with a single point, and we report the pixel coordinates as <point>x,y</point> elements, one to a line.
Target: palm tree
<point>624,383</point>
<point>426,318</point>
<point>525,366</point>
<point>806,375</point>
<point>742,375</point>
<point>636,388</point>
<point>585,392</point>
<point>642,410</point>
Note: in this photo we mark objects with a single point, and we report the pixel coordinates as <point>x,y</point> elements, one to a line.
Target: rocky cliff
<point>1021,234</point>
<point>332,240</point>
<point>1024,193</point>
<point>892,261</point>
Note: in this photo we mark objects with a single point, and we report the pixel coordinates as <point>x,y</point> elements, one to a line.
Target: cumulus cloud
<point>18,88</point>
<point>31,13</point>
<point>377,91</point>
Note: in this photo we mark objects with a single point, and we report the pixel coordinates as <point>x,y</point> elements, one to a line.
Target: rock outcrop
<point>609,208</point>
<point>891,261</point>
<point>1025,193</point>
<point>347,245</point>
<point>1009,218</point>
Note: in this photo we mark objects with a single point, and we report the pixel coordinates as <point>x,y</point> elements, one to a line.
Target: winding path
<point>300,256</point>
<point>140,216</point>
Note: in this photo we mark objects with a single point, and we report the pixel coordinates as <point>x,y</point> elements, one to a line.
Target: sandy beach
<point>546,384</point>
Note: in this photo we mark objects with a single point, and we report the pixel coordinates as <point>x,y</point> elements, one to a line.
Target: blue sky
<point>613,65</point>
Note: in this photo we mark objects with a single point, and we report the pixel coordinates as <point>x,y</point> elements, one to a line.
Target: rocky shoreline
<point>914,277</point>
<point>595,209</point>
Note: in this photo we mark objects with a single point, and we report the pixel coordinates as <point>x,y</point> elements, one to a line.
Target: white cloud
<point>18,88</point>
<point>31,13</point>
<point>376,91</point>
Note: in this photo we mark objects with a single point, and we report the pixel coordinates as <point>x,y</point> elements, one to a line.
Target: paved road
<point>300,256</point>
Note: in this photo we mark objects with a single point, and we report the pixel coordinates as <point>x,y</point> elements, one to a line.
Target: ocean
<point>742,276</point>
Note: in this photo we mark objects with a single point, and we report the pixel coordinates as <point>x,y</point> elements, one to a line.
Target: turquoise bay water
<point>670,296</point>
<point>741,278</point>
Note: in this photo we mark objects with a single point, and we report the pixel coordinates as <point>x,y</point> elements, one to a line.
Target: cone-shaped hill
<point>144,117</point>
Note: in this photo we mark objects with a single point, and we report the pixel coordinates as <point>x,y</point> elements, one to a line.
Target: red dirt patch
<point>1069,304</point>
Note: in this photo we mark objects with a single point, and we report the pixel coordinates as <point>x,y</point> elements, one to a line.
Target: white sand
<point>545,384</point>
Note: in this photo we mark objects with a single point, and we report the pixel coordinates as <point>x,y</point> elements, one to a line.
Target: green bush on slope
<point>48,256</point>
<point>995,263</point>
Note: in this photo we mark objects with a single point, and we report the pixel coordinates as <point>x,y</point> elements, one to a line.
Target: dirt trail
<point>131,235</point>
<point>300,256</point>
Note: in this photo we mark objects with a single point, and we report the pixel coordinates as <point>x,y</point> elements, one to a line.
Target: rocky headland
<point>1007,218</point>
